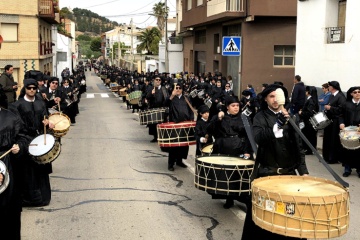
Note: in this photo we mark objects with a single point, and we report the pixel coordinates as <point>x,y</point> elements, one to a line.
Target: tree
<point>160,12</point>
<point>150,39</point>
<point>95,44</point>
<point>83,37</point>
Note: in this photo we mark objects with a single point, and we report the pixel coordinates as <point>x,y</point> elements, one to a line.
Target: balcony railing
<point>335,34</point>
<point>222,6</point>
<point>47,10</point>
<point>45,48</point>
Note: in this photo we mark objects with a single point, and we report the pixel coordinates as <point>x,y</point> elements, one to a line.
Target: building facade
<point>268,35</point>
<point>328,42</point>
<point>26,28</point>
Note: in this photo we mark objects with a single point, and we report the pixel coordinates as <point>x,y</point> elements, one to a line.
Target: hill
<point>87,21</point>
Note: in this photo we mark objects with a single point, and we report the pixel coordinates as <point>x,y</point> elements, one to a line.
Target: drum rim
<point>170,125</point>
<point>223,155</point>
<point>181,144</point>
<point>41,137</point>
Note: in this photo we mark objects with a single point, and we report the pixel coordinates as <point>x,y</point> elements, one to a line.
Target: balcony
<point>215,7</point>
<point>335,34</point>
<point>48,10</point>
<point>45,48</point>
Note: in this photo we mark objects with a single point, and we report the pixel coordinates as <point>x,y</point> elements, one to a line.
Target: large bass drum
<point>176,134</point>
<point>152,116</point>
<point>5,183</point>
<point>300,206</point>
<point>223,175</point>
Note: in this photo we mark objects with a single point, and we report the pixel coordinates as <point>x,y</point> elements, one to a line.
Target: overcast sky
<point>122,11</point>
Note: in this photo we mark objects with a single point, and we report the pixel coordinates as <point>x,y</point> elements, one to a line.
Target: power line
<point>143,22</point>
<point>102,4</point>
<point>143,6</point>
<point>134,14</point>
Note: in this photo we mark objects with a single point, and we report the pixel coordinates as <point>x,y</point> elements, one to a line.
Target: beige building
<point>25,26</point>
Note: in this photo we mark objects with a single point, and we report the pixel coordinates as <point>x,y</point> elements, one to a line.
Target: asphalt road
<point>110,182</point>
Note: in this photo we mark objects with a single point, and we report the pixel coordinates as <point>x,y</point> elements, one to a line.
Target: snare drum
<point>319,121</point>
<point>201,93</point>
<point>302,207</point>
<point>134,97</point>
<point>61,122</point>
<point>193,93</point>
<point>176,134</point>
<point>122,92</point>
<point>6,180</point>
<point>208,102</point>
<point>350,137</point>
<point>152,116</point>
<point>44,153</point>
<point>207,150</point>
<point>223,175</point>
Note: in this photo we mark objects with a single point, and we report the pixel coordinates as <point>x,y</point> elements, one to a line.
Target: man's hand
<point>15,149</point>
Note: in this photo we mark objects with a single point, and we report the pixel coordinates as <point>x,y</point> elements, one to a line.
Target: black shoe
<point>346,174</point>
<point>171,169</point>
<point>181,164</point>
<point>154,140</point>
<point>229,203</point>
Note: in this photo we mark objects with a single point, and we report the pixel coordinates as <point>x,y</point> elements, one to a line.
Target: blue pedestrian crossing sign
<point>231,46</point>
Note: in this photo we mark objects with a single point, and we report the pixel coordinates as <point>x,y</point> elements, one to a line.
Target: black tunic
<point>274,152</point>
<point>36,188</point>
<point>10,201</point>
<point>201,129</point>
<point>310,133</point>
<point>351,117</point>
<point>331,142</point>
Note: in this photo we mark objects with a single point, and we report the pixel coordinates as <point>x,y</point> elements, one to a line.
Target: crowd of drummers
<point>32,125</point>
<point>172,101</point>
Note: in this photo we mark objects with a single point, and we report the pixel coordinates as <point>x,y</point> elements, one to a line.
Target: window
<point>199,2</point>
<point>189,4</point>
<point>217,43</point>
<point>9,32</point>
<point>200,37</point>
<point>284,55</point>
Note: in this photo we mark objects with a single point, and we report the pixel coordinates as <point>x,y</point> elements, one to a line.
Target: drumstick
<point>5,154</point>
<point>59,107</point>
<point>44,132</point>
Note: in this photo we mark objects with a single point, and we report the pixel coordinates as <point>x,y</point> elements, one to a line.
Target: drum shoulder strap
<point>165,93</point>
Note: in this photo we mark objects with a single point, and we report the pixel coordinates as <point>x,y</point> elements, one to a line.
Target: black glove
<point>281,120</point>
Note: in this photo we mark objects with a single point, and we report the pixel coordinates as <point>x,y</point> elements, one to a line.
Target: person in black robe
<point>179,111</point>
<point>156,98</point>
<point>53,96</point>
<point>216,98</point>
<point>36,190</point>
<point>331,141</point>
<point>72,106</point>
<point>230,136</point>
<point>279,153</point>
<point>351,117</point>
<point>11,138</point>
<point>202,135</point>
<point>310,107</point>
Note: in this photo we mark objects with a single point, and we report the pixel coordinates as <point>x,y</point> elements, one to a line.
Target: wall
<point>318,62</point>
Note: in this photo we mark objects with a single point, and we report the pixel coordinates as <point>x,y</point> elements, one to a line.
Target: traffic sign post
<point>231,46</point>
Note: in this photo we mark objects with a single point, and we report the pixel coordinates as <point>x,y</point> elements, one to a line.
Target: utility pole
<point>166,40</point>
<point>119,47</point>
<point>132,47</point>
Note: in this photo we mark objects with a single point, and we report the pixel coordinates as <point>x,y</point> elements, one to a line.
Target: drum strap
<point>191,107</point>
<point>249,132</point>
<point>333,173</point>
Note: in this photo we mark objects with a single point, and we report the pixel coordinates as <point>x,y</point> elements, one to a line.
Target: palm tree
<point>149,39</point>
<point>160,12</point>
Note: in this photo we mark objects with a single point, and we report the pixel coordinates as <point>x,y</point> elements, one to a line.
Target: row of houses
<point>30,38</point>
<point>279,39</point>
<point>317,39</point>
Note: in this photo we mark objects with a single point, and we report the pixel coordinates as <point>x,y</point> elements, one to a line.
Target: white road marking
<point>104,95</point>
<point>90,95</point>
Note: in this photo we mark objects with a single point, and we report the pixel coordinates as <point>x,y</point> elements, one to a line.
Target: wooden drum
<point>152,116</point>
<point>176,134</point>
<point>302,207</point>
<point>223,175</point>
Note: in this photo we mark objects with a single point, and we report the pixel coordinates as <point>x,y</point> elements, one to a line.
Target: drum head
<point>225,160</point>
<point>207,149</point>
<point>38,147</point>
<point>6,179</point>
<point>61,121</point>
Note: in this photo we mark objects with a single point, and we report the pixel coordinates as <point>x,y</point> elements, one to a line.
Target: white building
<point>63,54</point>
<point>175,50</point>
<point>122,34</point>
<point>328,42</point>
